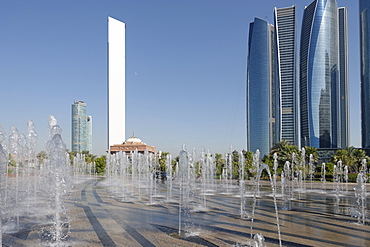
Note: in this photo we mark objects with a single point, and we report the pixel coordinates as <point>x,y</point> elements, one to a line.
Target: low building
<point>130,145</point>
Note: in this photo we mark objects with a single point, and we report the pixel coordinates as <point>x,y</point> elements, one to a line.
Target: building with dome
<point>130,145</point>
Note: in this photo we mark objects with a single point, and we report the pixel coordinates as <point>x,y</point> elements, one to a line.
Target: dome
<point>132,144</point>
<point>134,139</point>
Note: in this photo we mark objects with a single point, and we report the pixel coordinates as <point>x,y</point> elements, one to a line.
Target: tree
<point>41,156</point>
<point>309,151</point>
<point>359,155</point>
<point>100,164</point>
<point>235,164</point>
<point>89,158</point>
<point>219,163</point>
<point>351,157</point>
<point>11,161</point>
<point>162,161</point>
<point>279,147</point>
<point>344,155</point>
<point>285,151</point>
<point>248,156</point>
<point>175,161</point>
<point>72,155</point>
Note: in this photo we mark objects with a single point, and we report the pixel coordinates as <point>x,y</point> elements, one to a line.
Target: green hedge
<point>352,177</point>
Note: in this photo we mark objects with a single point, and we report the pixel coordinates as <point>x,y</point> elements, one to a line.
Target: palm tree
<point>285,150</point>
<point>351,157</point>
<point>359,155</point>
<point>278,147</point>
<point>219,163</point>
<point>309,151</point>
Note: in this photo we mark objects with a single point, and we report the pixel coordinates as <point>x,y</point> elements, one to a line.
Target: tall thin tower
<point>286,81</point>
<point>260,97</point>
<point>365,71</point>
<point>343,77</point>
<point>116,81</point>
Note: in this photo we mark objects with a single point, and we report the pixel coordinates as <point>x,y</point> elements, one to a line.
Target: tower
<point>286,81</point>
<point>319,76</point>
<point>81,128</point>
<point>116,81</point>
<point>260,95</point>
<point>365,71</point>
<point>343,77</point>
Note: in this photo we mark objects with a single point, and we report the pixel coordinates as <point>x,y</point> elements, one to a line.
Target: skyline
<point>185,68</point>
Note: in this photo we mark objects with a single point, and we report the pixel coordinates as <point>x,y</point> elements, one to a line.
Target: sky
<point>185,68</point>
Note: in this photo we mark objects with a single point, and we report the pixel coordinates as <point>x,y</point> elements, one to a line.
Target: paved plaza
<point>99,218</point>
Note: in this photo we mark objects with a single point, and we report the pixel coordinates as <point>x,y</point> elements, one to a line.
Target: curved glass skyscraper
<point>365,71</point>
<point>260,87</point>
<point>320,88</point>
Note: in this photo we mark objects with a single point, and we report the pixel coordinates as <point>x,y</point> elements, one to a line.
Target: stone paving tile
<point>98,219</point>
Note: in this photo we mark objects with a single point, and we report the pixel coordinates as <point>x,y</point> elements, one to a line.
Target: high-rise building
<point>116,81</point>
<point>81,128</point>
<point>320,67</point>
<point>343,77</point>
<point>365,71</point>
<point>286,81</point>
<point>260,95</point>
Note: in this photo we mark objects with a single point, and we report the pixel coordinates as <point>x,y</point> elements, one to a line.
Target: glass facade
<point>260,87</point>
<point>286,83</point>
<point>81,128</point>
<point>343,77</point>
<point>319,76</point>
<point>365,71</point>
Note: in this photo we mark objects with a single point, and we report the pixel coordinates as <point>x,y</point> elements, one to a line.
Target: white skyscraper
<point>116,81</point>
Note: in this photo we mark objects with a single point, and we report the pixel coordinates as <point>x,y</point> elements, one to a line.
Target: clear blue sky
<point>185,67</point>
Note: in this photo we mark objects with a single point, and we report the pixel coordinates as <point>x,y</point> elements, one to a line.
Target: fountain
<point>345,173</point>
<point>255,170</point>
<point>3,167</point>
<point>14,152</point>
<point>243,212</point>
<point>59,184</point>
<point>186,183</point>
<point>286,186</point>
<point>227,173</point>
<point>169,179</point>
<point>323,176</point>
<point>33,192</point>
<point>260,168</point>
<point>311,169</point>
<point>191,185</point>
<point>43,187</point>
<point>360,211</point>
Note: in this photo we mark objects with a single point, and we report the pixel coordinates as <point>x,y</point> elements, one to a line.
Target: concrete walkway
<point>97,218</point>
